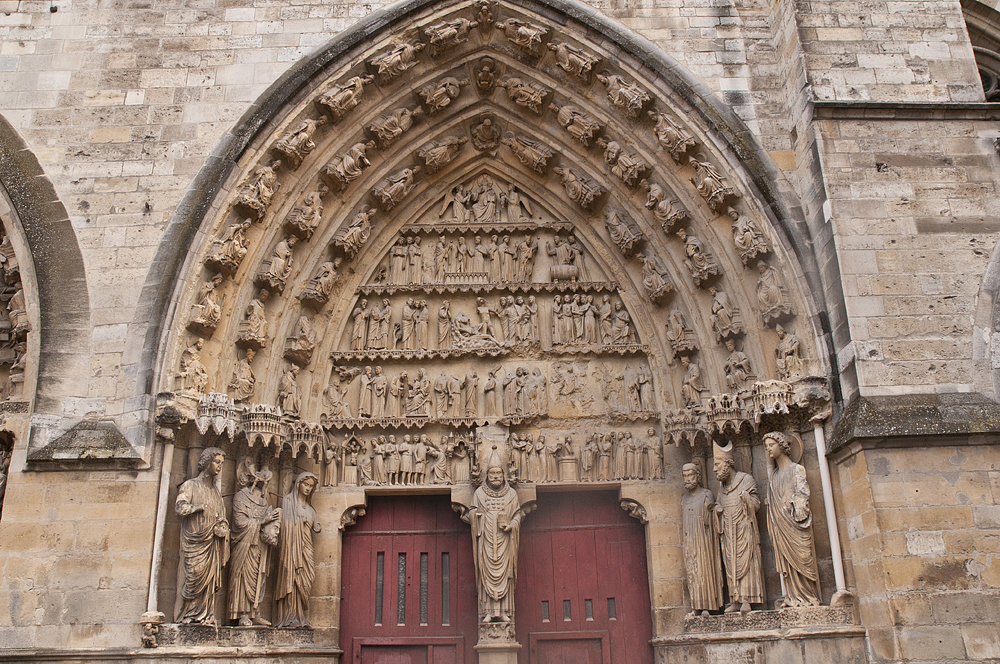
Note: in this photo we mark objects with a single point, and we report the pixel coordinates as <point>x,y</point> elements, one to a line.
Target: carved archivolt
<point>465,256</point>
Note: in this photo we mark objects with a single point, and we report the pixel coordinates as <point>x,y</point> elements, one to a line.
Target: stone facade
<point>136,138</point>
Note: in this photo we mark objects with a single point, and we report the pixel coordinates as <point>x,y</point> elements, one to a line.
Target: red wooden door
<point>409,593</point>
<point>582,590</point>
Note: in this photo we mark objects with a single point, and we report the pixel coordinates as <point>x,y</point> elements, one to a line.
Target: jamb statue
<point>255,532</point>
<point>737,507</point>
<point>296,566</point>
<point>701,548</point>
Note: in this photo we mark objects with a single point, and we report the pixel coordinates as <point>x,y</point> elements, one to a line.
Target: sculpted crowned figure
<point>737,511</point>
<point>204,539</point>
<point>789,522</point>
<point>255,531</point>
<point>495,516</point>
<point>701,548</point>
<point>296,569</point>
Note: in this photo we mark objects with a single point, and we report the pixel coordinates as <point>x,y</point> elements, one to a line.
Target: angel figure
<point>459,199</point>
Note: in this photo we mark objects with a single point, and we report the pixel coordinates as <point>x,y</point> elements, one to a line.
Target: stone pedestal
<point>569,470</point>
<point>491,652</point>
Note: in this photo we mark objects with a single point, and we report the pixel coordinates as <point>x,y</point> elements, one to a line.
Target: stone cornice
<point>870,110</point>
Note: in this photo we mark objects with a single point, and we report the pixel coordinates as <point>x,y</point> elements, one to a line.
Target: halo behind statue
<point>797,448</point>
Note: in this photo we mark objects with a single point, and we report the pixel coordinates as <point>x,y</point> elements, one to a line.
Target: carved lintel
<point>634,509</point>
<point>351,516</point>
<point>473,283</point>
<point>344,97</point>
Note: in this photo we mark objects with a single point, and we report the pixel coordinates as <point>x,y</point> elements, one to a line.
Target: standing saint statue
<point>255,531</point>
<point>204,539</point>
<point>737,512</point>
<point>789,521</point>
<point>296,568</point>
<point>495,516</point>
<point>701,544</point>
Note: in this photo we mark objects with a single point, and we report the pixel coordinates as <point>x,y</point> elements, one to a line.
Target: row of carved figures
<point>487,259</point>
<point>213,547</point>
<point>721,533</point>
<point>13,352</point>
<point>383,461</point>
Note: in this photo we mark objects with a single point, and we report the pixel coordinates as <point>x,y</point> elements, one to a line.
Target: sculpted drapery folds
<point>789,521</point>
<point>737,507</point>
<point>296,567</point>
<point>496,523</point>
<point>255,531</point>
<point>204,539</point>
<point>701,543</point>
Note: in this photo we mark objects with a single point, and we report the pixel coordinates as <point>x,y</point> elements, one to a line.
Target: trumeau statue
<point>771,296</point>
<point>438,96</point>
<point>574,61</point>
<point>529,152</point>
<point>393,188</point>
<point>580,126</point>
<point>726,319</point>
<point>304,218</point>
<point>580,189</point>
<point>353,236</point>
<point>495,516</point>
<point>623,231</point>
<point>229,250</point>
<point>789,522</point>
<point>255,531</point>
<point>243,380</point>
<point>485,135</point>
<point>747,236</point>
<point>526,94</point>
<point>344,97</point>
<point>699,262</point>
<point>711,185</point>
<point>390,127</point>
<point>666,208</point>
<point>439,153</point>
<point>671,136</point>
<point>447,35</point>
<point>321,285</point>
<point>628,97</point>
<point>204,539</point>
<point>297,144</point>
<point>627,166</point>
<point>527,36</point>
<point>345,168</point>
<point>701,544</point>
<point>259,189</point>
<point>737,507</point>
<point>296,567</point>
<point>396,61</point>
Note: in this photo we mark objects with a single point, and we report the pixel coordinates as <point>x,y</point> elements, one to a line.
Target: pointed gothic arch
<point>311,143</point>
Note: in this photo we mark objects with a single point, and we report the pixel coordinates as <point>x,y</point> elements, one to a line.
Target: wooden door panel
<point>432,597</point>
<point>586,558</point>
<point>393,655</point>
